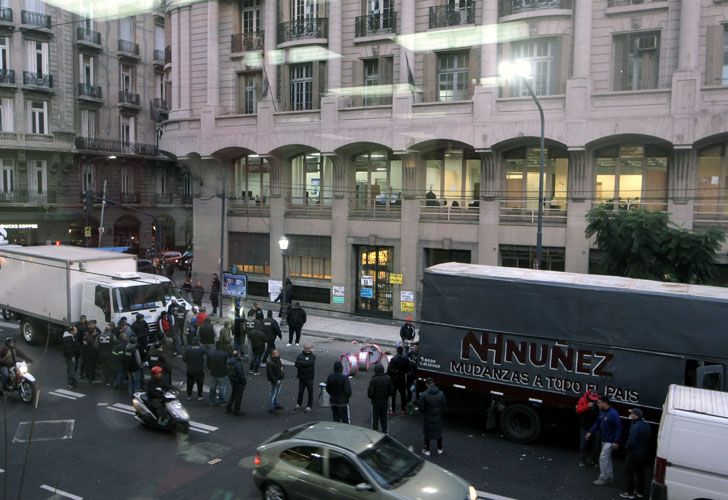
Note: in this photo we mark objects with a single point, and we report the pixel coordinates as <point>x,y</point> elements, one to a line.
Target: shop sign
<point>367,280</point>
<point>87,231</point>
<point>337,294</point>
<point>235,285</point>
<point>395,279</point>
<point>18,226</point>
<point>407,307</point>
<point>366,293</point>
<point>405,296</point>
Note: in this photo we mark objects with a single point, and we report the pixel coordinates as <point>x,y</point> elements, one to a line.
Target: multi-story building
<point>377,136</point>
<point>80,105</point>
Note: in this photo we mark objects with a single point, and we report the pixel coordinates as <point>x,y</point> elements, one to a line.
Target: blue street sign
<point>235,285</point>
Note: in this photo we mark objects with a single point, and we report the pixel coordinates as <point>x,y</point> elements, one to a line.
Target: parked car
<point>171,258</point>
<point>145,266</point>
<point>332,460</point>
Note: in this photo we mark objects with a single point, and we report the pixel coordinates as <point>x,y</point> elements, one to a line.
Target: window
<point>541,54</point>
<point>87,177</point>
<point>126,79</point>
<point>453,76</point>
<point>309,257</point>
<point>452,177</point>
<point>378,180</point>
<point>251,21</point>
<point>371,80</point>
<point>629,176</point>
<point>38,117</point>
<point>522,168</point>
<point>712,203</point>
<point>311,180</point>
<point>87,69</point>
<point>4,53</point>
<point>724,72</point>
<point>343,470</point>
<point>308,458</point>
<point>88,123</point>
<point>304,10</point>
<point>636,60</point>
<point>37,178</point>
<point>389,462</point>
<point>7,177</point>
<point>248,92</point>
<point>158,37</point>
<point>250,252</point>
<point>102,300</point>
<point>380,14</point>
<point>161,184</point>
<point>252,180</point>
<point>434,256</point>
<point>552,259</point>
<point>126,29</point>
<point>127,180</point>
<point>7,121</point>
<point>301,87</point>
<point>127,130</point>
<point>36,54</point>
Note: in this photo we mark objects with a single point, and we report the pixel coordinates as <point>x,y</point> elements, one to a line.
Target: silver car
<point>340,461</point>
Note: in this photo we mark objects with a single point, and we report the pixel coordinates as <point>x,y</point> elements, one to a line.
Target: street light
<point>283,244</point>
<point>521,69</point>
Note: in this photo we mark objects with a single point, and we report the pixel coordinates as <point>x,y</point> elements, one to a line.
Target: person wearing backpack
<point>133,365</point>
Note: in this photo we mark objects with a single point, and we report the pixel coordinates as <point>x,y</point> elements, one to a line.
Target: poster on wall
<point>235,285</point>
<point>274,288</point>
<point>407,307</point>
<point>395,279</point>
<point>337,294</point>
<point>367,280</point>
<point>405,296</point>
<point>366,293</point>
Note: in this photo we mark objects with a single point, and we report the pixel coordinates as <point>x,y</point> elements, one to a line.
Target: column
<point>686,80</point>
<point>206,217</point>
<point>174,19</point>
<point>403,92</point>
<point>409,228</point>
<point>335,45</point>
<point>488,225</point>
<point>213,54</point>
<point>184,81</point>
<point>340,248</point>
<point>269,44</point>
<point>681,177</point>
<point>486,92</point>
<point>277,215</point>
<point>689,35</point>
<point>578,87</point>
<point>578,204</point>
<point>407,27</point>
<point>582,38</point>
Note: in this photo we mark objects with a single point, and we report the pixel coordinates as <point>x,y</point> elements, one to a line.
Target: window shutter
<point>714,50</point>
<point>650,68</point>
<point>429,70</point>
<point>319,83</point>
<point>284,79</point>
<point>30,60</point>
<point>240,101</point>
<point>7,115</point>
<point>619,58</point>
<point>358,81</point>
<point>44,57</point>
<point>258,90</point>
<point>386,77</point>
<point>564,67</point>
<point>556,67</point>
<point>473,70</point>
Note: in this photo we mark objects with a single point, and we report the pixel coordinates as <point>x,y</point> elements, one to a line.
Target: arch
<point>126,230</point>
<point>290,151</point>
<point>232,153</point>
<point>526,141</point>
<point>434,144</point>
<point>711,140</point>
<point>356,148</point>
<point>611,140</point>
<point>167,224</point>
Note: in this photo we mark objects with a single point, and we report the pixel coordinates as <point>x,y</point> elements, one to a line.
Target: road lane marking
<point>195,426</point>
<point>203,426</point>
<point>60,492</point>
<point>201,431</point>
<point>123,406</point>
<point>492,496</point>
<point>62,395</point>
<point>127,412</point>
<point>71,393</point>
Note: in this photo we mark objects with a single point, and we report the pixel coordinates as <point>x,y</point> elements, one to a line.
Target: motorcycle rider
<point>155,388</point>
<point>9,355</point>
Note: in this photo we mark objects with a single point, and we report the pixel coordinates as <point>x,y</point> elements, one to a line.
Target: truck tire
<point>32,331</point>
<point>520,423</point>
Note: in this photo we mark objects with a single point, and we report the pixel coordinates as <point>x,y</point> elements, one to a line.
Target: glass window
<point>127,181</point>
<point>636,60</point>
<point>308,458</point>
<point>252,180</point>
<point>552,258</point>
<point>452,178</point>
<point>301,86</point>
<point>378,180</point>
<point>434,256</point>
<point>311,180</point>
<point>4,53</point>
<point>38,117</point>
<point>374,291</point>
<point>7,177</point>
<point>309,257</point>
<point>522,168</point>
<point>251,94</point>
<point>37,177</point>
<point>712,182</point>
<point>541,54</point>
<point>7,121</point>
<point>390,463</point>
<point>103,301</point>
<point>251,20</point>
<point>453,76</point>
<point>126,29</point>
<point>126,125</point>
<point>304,9</point>
<point>630,176</point>
<point>371,79</point>
<point>249,252</point>
<point>343,470</point>
<point>87,177</point>
<point>724,72</point>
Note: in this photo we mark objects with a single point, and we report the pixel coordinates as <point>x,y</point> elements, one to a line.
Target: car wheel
<point>272,491</point>
<point>520,423</point>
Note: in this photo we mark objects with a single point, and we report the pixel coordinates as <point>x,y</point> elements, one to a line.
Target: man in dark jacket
<point>379,391</point>
<point>215,293</point>
<point>140,328</point>
<point>180,337</point>
<point>407,332</point>
<point>257,346</point>
<point>236,375</point>
<point>398,369</point>
<point>158,357</point>
<point>275,372</point>
<point>271,330</point>
<point>339,388</point>
<point>194,357</point>
<point>637,451</point>
<point>71,354</point>
<point>133,365</point>
<point>217,365</point>
<point>285,297</point>
<point>296,318</point>
<point>105,347</point>
<point>431,403</point>
<point>305,365</point>
<point>588,412</point>
<point>609,427</point>
<point>206,334</point>
<point>89,352</point>
<point>197,294</point>
<point>238,327</point>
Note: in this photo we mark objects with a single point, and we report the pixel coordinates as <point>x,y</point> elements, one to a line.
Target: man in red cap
<point>155,389</point>
<point>587,410</point>
<point>407,333</point>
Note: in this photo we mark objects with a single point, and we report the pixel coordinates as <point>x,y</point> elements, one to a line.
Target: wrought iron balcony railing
<point>128,98</point>
<point>127,47</point>
<point>443,16</point>
<point>623,3</point>
<point>243,42</point>
<point>88,36</point>
<point>35,19</point>
<point>37,80</point>
<point>160,104</point>
<point>376,24</point>
<point>88,90</point>
<point>508,7</point>
<point>6,15</point>
<point>130,198</point>
<point>314,27</point>
<point>111,146</point>
<point>7,76</point>
<point>163,199</point>
<point>32,197</point>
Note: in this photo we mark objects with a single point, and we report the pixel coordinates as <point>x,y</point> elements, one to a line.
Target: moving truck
<point>692,446</point>
<point>525,344</point>
<point>48,288</point>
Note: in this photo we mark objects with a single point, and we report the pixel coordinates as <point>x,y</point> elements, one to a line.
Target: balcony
<point>7,77</point>
<point>375,24</point>
<point>111,146</point>
<point>129,50</point>
<point>444,16</point>
<point>626,3</point>
<point>89,92</point>
<point>130,198</point>
<point>377,209</point>
<point>307,207</point>
<point>519,212</point>
<point>247,207</point>
<point>442,211</point>
<point>6,15</point>
<point>158,58</point>
<point>28,197</point>
<point>35,20</point>
<point>129,100</point>
<point>244,42</point>
<point>163,199</point>
<point>88,38</point>
<point>510,7</point>
<point>158,109</point>
<point>159,104</point>
<point>305,29</point>
<point>38,81</point>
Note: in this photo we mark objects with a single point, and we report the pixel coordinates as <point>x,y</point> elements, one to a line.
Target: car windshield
<point>390,463</point>
<point>133,298</point>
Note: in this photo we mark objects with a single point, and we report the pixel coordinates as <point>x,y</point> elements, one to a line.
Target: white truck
<point>692,461</point>
<point>48,288</point>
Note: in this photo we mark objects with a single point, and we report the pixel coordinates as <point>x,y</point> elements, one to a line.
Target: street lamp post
<point>283,244</point>
<point>521,69</point>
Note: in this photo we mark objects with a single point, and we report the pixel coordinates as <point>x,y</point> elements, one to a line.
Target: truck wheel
<point>32,332</point>
<point>520,423</point>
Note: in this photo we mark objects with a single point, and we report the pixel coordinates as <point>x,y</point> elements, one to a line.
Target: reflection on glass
<point>631,176</point>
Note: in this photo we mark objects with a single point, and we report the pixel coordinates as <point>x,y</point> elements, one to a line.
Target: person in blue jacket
<point>637,450</point>
<point>610,430</point>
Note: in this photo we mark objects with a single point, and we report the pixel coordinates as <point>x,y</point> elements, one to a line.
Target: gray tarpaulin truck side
<point>528,343</point>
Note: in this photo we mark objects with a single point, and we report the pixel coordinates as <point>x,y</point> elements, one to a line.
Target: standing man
<point>217,365</point>
<point>296,318</point>
<point>407,333</point>
<point>238,327</point>
<point>610,431</point>
<point>379,391</point>
<point>124,328</point>
<point>305,365</point>
<point>206,334</point>
<point>133,365</point>
<point>275,372</point>
<point>236,375</point>
<point>197,294</point>
<point>588,412</point>
<point>215,293</point>
<point>413,356</point>
<point>179,337</point>
<point>431,404</point>
<point>190,327</point>
<point>187,289</point>
<point>339,388</point>
<point>71,354</point>
<point>89,353</point>
<point>637,451</point>
<point>194,357</point>
<point>105,347</point>
<point>288,292</point>
<point>164,326</point>
<point>398,369</point>
<point>271,330</point>
<point>257,346</point>
<point>140,328</point>
<point>226,337</point>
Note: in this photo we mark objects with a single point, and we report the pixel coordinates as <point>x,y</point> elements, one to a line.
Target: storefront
<point>373,289</point>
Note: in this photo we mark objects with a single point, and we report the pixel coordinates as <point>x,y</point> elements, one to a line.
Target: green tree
<point>639,243</point>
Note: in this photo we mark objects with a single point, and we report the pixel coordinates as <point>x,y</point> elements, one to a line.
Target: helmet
<point>157,370</point>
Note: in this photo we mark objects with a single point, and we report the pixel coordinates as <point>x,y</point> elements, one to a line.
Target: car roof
<point>350,437</point>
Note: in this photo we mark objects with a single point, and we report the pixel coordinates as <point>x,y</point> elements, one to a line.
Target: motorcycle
<point>177,420</point>
<point>21,381</point>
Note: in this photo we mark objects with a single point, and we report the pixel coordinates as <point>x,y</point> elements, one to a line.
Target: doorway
<point>373,290</point>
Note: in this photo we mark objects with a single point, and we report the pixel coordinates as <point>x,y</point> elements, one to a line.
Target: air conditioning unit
<point>647,42</point>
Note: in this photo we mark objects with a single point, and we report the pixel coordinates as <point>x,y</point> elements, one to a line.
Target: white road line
<point>62,395</point>
<point>492,496</point>
<point>199,430</point>
<point>123,406</point>
<point>2,470</point>
<point>60,492</point>
<point>203,426</point>
<point>127,412</point>
<point>197,426</point>
<point>71,393</point>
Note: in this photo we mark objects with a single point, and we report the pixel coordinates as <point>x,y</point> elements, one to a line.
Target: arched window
<point>252,180</point>
<point>712,202</point>
<point>311,181</point>
<point>378,180</point>
<point>522,167</point>
<point>452,178</point>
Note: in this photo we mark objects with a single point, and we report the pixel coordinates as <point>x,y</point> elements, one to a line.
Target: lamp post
<point>521,69</point>
<point>283,244</point>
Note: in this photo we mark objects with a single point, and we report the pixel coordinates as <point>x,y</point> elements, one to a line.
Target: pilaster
<point>578,204</point>
<point>681,182</point>
<point>489,209</point>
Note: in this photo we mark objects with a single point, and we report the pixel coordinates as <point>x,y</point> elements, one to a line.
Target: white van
<point>692,446</point>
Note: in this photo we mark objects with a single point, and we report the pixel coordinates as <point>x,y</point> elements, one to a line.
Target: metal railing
<point>314,27</point>
<point>520,211</point>
<point>242,42</point>
<point>624,3</point>
<point>167,55</point>
<point>158,56</point>
<point>37,80</point>
<point>654,205</point>
<point>32,197</point>
<point>159,104</point>
<point>7,76</point>
<point>443,16</point>
<point>248,207</point>
<point>35,19</point>
<point>130,198</point>
<point>88,90</point>
<point>436,210</point>
<point>111,146</point>
<point>163,198</point>
<point>88,36</point>
<point>128,98</point>
<point>375,24</point>
<point>6,15</point>
<point>127,47</point>
<point>360,209</point>
<point>310,207</point>
<point>508,7</point>
<point>713,213</point>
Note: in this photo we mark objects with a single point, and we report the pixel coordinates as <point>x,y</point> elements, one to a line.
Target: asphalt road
<point>87,445</point>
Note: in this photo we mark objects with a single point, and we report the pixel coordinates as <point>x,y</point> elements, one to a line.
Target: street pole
<point>222,237</point>
<point>101,221</point>
<point>284,305</point>
<point>539,221</point>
